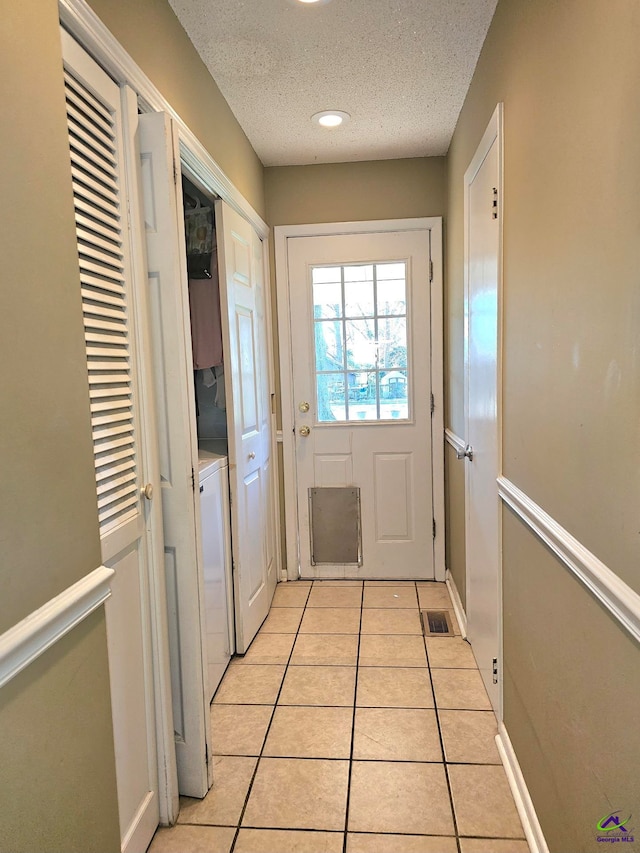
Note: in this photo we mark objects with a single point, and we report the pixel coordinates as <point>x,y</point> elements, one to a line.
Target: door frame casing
<point>282,233</point>
<point>493,132</point>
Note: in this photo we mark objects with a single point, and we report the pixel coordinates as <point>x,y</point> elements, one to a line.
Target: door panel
<point>360,332</point>
<point>173,384</point>
<point>248,420</point>
<point>393,496</point>
<point>95,121</point>
<point>483,529</point>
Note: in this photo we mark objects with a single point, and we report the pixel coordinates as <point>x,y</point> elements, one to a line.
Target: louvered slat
<point>112,471</point>
<point>96,188</point>
<point>85,193</point>
<point>83,178</point>
<point>104,180</point>
<point>79,136</point>
<point>87,266</point>
<point>90,295</point>
<point>76,88</point>
<point>91,224</point>
<point>105,467</point>
<point>91,110</point>
<point>82,207</point>
<point>88,249</point>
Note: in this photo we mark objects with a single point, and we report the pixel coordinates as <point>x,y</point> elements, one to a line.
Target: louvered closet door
<point>95,135</point>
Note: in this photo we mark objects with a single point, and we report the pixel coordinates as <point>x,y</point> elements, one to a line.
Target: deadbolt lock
<point>304,408</point>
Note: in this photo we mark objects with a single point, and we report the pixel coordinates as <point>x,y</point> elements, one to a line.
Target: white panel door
<point>173,380</point>
<point>116,372</point>
<point>361,350</point>
<point>242,295</point>
<point>482,214</point>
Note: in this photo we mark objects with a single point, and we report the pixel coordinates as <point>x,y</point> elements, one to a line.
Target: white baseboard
<point>37,632</point>
<point>524,804</point>
<point>458,609</point>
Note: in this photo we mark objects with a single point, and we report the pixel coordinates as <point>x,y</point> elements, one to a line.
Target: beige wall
<point>347,192</point>
<point>567,75</point>
<point>57,778</point>
<point>151,33</point>
<point>571,687</point>
<point>48,486</point>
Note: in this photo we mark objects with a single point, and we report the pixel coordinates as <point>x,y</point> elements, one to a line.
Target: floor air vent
<point>436,623</point>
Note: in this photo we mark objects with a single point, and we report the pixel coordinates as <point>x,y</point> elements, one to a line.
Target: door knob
<point>466,453</point>
<point>147,491</point>
<point>252,455</point>
<point>304,407</point>
<point>304,431</point>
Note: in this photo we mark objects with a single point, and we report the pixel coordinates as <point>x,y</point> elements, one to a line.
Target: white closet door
<point>241,267</point>
<point>173,379</point>
<point>94,115</point>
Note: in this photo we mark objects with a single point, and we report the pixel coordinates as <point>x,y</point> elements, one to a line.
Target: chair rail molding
<point>524,804</point>
<point>37,632</point>
<point>618,597</point>
<point>454,440</point>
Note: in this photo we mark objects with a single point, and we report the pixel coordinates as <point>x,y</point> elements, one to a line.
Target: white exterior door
<point>123,462</point>
<point>360,315</point>
<point>173,384</point>
<point>482,223</point>
<point>242,296</point>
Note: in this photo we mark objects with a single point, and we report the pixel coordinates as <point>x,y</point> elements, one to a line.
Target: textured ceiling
<point>401,68</point>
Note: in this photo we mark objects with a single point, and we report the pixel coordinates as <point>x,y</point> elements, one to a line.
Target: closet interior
<point>209,409</point>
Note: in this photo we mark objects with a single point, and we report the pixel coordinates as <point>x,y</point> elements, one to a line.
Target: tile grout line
<point>266,734</point>
<point>353,726</point>
<point>444,757</point>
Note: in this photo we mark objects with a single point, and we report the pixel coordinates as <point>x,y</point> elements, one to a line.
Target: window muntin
<point>361,342</point>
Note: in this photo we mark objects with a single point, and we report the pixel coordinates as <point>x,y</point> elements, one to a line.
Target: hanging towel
<point>206,323</point>
<point>220,389</point>
<point>208,377</point>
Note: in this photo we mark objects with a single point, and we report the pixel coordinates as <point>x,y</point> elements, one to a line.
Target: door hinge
<point>494,209</point>
<point>434,528</point>
<point>273,404</point>
<point>433,404</point>
<point>175,174</point>
<point>430,271</point>
<point>495,670</point>
<point>206,754</point>
<point>193,479</point>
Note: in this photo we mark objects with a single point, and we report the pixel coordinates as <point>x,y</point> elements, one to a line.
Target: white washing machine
<point>218,640</point>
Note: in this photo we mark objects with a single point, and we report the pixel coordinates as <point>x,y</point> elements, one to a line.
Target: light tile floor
<point>344,730</point>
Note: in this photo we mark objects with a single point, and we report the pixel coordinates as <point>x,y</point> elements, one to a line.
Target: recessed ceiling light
<point>331,118</point>
<point>314,1</point>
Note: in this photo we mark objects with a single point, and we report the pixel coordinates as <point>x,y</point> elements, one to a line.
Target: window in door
<point>360,334</point>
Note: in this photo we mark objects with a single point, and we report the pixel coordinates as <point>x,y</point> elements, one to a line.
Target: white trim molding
<point>83,23</point>
<point>456,601</point>
<point>455,441</point>
<point>617,596</point>
<point>523,801</point>
<point>37,632</point>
